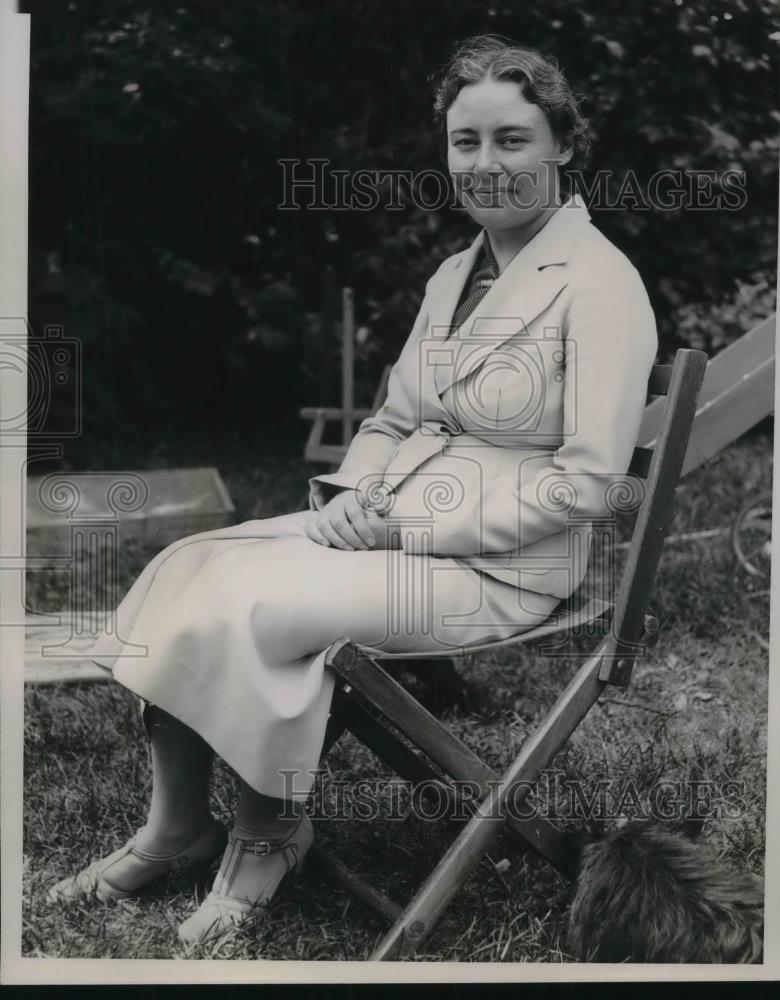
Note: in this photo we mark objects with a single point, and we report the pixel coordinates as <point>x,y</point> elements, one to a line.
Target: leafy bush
<point>711,327</point>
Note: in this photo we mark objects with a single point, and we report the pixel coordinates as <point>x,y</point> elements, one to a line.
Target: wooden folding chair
<point>376,708</point>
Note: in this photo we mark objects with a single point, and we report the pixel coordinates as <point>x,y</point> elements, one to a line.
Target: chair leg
<point>468,849</point>
<point>358,670</point>
<point>339,874</point>
<point>348,715</point>
<point>392,751</point>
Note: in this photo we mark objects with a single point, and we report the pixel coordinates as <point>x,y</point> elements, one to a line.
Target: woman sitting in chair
<point>459,515</point>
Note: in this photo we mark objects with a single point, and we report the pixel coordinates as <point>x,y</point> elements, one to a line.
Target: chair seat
<point>568,615</point>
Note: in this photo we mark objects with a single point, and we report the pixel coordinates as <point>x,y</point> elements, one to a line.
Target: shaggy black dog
<point>650,893</point>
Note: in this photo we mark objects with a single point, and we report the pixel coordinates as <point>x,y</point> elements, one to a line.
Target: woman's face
<point>502,154</point>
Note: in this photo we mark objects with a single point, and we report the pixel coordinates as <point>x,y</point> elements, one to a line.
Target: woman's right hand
<point>345,524</point>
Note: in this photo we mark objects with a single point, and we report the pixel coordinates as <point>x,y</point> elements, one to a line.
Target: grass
<point>695,713</point>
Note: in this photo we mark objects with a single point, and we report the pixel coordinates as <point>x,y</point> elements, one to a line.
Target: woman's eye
<point>509,142</point>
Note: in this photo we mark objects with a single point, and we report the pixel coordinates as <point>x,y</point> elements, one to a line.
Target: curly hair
<point>539,77</point>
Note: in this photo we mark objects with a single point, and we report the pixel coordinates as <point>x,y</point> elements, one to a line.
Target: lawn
<point>695,715</point>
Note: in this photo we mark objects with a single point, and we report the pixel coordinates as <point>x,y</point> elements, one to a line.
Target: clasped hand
<point>345,523</point>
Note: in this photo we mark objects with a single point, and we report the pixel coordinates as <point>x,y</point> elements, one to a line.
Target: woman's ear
<point>565,154</point>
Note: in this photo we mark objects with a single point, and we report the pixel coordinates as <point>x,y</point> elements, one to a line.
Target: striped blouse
<point>482,277</point>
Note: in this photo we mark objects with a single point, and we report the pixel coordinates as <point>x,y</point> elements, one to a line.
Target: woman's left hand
<point>387,536</point>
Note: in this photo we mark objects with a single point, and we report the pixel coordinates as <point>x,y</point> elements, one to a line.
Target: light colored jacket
<point>504,442</point>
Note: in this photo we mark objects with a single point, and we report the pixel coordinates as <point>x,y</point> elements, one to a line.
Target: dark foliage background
<point>156,130</point>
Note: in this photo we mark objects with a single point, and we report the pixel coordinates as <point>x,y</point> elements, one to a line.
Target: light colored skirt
<point>228,630</point>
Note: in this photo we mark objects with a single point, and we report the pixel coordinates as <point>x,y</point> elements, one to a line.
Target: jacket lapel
<point>535,276</point>
<point>445,297</point>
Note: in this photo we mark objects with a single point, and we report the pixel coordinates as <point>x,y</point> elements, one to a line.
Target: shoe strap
<point>167,858</point>
<point>263,848</point>
<point>260,848</point>
<point>156,859</point>
<point>237,846</point>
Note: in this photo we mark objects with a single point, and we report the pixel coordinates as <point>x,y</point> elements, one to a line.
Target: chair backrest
<point>660,467</point>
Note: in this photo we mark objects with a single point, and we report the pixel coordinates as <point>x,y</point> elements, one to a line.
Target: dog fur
<point>648,893</point>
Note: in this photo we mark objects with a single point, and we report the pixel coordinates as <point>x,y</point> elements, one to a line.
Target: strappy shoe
<point>128,869</point>
<point>228,905</point>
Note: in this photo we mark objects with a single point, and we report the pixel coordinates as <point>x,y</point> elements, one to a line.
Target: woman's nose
<point>485,163</point>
